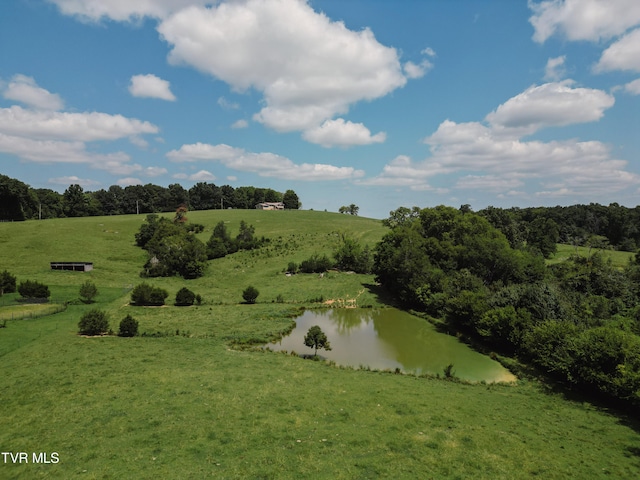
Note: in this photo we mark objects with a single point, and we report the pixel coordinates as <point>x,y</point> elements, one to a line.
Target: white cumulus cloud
<point>73,180</point>
<point>550,105</point>
<point>307,67</point>
<point>263,164</point>
<point>591,20</point>
<point>493,157</point>
<point>151,86</point>
<point>122,10</point>
<point>555,69</point>
<point>25,90</point>
<point>238,124</point>
<point>341,133</point>
<point>622,55</point>
<point>633,87</point>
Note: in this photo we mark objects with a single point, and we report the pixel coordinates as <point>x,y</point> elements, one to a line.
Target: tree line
<point>578,320</point>
<point>19,201</point>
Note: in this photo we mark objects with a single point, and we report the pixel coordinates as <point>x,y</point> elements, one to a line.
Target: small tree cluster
<point>7,283</point>
<point>220,243</point>
<point>145,294</point>
<point>94,322</point>
<point>33,289</point>
<point>350,255</point>
<point>316,264</point>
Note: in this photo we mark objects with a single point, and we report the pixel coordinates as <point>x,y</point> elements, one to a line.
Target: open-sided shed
<point>75,266</point>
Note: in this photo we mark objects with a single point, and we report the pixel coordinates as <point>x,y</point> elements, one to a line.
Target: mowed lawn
<point>184,404</point>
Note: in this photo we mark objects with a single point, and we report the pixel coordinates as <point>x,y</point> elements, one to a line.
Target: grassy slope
<point>190,407</point>
<point>618,258</point>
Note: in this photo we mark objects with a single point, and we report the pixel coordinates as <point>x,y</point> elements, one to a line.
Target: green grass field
<point>618,259</point>
<point>186,404</point>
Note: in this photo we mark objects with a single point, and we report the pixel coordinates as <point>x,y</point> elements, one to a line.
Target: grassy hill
<point>189,406</point>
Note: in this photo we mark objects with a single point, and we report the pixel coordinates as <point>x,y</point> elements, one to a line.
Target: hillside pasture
<point>183,402</point>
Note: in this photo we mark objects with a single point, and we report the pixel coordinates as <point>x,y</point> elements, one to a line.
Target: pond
<point>389,338</point>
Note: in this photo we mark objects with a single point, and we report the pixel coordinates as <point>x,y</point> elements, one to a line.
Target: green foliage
<point>351,209</point>
<point>173,250</point>
<point>145,294</point>
<point>33,289</point>
<point>543,235</point>
<point>147,230</point>
<point>316,339</point>
<point>128,327</point>
<point>291,200</point>
<point>7,283</point>
<point>292,267</point>
<point>316,264</point>
<point>250,294</point>
<point>88,291</point>
<point>351,256</point>
<point>185,297</point>
<point>93,322</point>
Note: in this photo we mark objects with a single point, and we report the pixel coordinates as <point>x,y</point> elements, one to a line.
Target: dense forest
<point>18,201</point>
<point>578,320</point>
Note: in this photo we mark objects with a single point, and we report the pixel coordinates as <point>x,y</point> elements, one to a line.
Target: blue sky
<point>372,102</point>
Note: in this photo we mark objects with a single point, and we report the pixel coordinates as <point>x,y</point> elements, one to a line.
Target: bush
<point>88,291</point>
<point>185,297</point>
<point>128,327</point>
<point>316,264</point>
<point>94,322</point>
<point>33,289</point>
<point>7,283</point>
<point>145,294</point>
<point>292,267</point>
<point>250,294</point>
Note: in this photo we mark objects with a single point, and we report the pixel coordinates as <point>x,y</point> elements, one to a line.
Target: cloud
<point>227,105</point>
<point>73,180</point>
<point>150,86</point>
<point>122,11</point>
<point>412,70</point>
<point>633,87</point>
<point>24,89</point>
<point>263,164</point>
<point>239,124</point>
<point>129,181</point>
<point>154,171</point>
<point>622,55</point>
<point>550,105</point>
<point>555,69</point>
<point>202,176</point>
<point>591,20</point>
<point>338,133</point>
<point>429,52</point>
<point>493,157</point>
<point>85,127</point>
<point>308,68</point>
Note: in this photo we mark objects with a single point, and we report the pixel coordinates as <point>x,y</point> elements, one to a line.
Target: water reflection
<point>388,339</point>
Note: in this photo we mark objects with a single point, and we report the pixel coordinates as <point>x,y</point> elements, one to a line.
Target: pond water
<point>389,338</point>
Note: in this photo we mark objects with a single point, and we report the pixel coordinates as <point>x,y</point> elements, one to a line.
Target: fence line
<point>53,309</point>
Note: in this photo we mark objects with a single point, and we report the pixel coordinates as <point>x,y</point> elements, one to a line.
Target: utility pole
<point>137,208</point>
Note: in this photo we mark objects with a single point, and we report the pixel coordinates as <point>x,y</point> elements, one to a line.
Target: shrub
<point>94,322</point>
<point>128,327</point>
<point>292,267</point>
<point>185,297</point>
<point>33,289</point>
<point>316,264</point>
<point>88,291</point>
<point>145,294</point>
<point>250,294</point>
<point>7,283</point>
